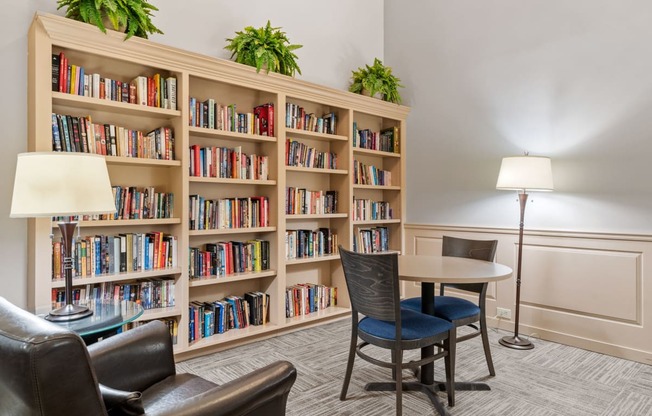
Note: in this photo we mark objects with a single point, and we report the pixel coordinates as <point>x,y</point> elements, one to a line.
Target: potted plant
<point>266,47</point>
<point>376,79</point>
<point>129,16</point>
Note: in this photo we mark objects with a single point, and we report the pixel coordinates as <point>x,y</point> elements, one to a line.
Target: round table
<point>440,269</point>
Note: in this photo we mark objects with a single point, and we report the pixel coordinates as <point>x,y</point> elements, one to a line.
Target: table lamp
<point>51,184</point>
<point>523,174</point>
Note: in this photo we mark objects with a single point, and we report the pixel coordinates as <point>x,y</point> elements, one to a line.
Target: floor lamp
<point>51,184</point>
<point>523,174</point>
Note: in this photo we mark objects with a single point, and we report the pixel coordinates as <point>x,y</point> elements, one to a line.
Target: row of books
<point>223,162</point>
<point>80,134</point>
<point>300,154</point>
<point>304,201</point>
<point>232,312</point>
<point>370,175</point>
<point>306,298</point>
<point>213,214</point>
<point>310,243</point>
<point>211,115</point>
<point>155,91</point>
<point>133,203</point>
<point>225,258</point>
<point>171,323</point>
<point>150,294</point>
<point>297,118</point>
<point>385,140</point>
<point>371,240</point>
<point>110,254</point>
<point>368,209</point>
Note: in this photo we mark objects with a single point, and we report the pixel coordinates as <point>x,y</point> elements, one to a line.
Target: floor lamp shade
<point>531,173</point>
<point>62,184</point>
<point>523,173</point>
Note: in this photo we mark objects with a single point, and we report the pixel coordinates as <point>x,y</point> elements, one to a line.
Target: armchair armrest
<point>134,360</point>
<point>262,392</point>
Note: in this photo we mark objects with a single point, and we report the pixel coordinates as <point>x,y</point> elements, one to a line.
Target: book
<point>56,71</point>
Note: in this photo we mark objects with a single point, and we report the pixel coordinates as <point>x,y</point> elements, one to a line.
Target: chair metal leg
<point>349,363</point>
<point>398,377</point>
<point>485,344</point>
<point>449,364</point>
<point>394,373</point>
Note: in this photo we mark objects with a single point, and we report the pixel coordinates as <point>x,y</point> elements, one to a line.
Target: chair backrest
<point>45,368</point>
<point>372,280</point>
<point>470,249</point>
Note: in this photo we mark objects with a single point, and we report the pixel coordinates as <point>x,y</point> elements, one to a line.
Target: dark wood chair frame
<point>479,250</point>
<point>373,284</point>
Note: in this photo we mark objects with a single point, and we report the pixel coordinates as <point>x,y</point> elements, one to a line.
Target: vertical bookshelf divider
<point>329,114</point>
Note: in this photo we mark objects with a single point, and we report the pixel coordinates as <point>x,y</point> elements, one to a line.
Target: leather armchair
<point>48,370</point>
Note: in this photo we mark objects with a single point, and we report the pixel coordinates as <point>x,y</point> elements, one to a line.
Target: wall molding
<point>584,289</point>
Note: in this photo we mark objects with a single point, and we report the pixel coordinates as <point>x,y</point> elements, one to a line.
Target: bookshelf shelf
<point>158,313</point>
<point>105,278</point>
<point>236,277</point>
<point>233,335</point>
<point>314,135</point>
<point>89,103</point>
<point>372,222</point>
<point>229,181</point>
<point>380,187</point>
<point>228,135</point>
<point>316,170</point>
<point>361,151</point>
<point>227,231</point>
<point>316,259</point>
<point>330,312</point>
<point>297,217</point>
<point>137,161</point>
<point>235,88</point>
<point>121,223</point>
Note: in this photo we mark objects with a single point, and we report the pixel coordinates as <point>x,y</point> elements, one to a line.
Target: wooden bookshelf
<point>203,78</point>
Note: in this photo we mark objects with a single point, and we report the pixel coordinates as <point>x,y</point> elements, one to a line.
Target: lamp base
<point>69,313</point>
<point>516,342</point>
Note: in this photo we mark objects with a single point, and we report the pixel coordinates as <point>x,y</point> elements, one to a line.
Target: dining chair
<point>462,312</point>
<point>373,284</point>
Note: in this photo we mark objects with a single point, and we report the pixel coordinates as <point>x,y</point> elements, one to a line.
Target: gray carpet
<point>550,380</point>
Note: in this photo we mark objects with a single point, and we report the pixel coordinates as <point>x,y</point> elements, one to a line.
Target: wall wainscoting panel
<point>580,289</point>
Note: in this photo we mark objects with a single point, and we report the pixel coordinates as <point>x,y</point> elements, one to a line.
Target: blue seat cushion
<point>414,325</point>
<point>449,308</point>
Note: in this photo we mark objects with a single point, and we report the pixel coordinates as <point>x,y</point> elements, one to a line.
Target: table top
<point>443,269</point>
<point>106,316</point>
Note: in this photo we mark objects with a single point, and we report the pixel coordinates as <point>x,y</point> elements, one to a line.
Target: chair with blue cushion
<point>373,284</point>
<point>462,312</point>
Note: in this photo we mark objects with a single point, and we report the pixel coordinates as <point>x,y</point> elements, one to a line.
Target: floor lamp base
<point>516,342</point>
<point>69,313</point>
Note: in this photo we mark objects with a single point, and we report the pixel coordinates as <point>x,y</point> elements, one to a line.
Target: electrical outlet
<point>503,313</point>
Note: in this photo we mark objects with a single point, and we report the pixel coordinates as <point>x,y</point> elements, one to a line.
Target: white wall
<point>338,36</point>
<point>487,79</point>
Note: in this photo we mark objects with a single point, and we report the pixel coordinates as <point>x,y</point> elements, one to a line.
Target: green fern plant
<point>132,15</point>
<point>377,79</point>
<point>264,47</point>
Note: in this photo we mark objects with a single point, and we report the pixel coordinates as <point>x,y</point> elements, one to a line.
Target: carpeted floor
<point>550,380</point>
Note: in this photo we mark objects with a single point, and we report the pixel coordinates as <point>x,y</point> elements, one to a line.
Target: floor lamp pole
<point>515,341</point>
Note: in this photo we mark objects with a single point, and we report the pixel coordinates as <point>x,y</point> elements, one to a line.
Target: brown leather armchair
<point>48,370</point>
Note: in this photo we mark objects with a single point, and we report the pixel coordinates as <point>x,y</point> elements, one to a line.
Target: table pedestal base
<point>430,391</point>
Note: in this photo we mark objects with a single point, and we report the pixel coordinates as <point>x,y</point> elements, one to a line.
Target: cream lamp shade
<point>51,184</point>
<point>526,173</point>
